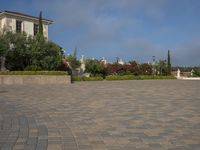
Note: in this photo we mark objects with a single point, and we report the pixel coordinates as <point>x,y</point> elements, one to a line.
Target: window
<point>18,26</point>
<point>35,29</point>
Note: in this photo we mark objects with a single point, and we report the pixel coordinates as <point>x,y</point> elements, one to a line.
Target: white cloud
<point>112,24</point>
<point>142,49</point>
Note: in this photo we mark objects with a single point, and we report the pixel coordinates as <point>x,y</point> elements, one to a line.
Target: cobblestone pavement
<point>115,115</point>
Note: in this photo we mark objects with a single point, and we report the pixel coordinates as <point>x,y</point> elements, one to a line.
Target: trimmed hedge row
<point>33,73</point>
<point>87,78</point>
<point>132,77</point>
<point>158,77</point>
<point>124,77</point>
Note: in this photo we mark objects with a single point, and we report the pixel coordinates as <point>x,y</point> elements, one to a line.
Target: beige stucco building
<point>19,22</point>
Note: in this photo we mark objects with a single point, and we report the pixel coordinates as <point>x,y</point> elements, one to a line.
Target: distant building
<point>104,61</point>
<point>19,22</point>
<point>121,62</point>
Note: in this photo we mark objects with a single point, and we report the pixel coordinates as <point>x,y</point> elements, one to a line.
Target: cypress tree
<point>169,63</point>
<point>40,24</point>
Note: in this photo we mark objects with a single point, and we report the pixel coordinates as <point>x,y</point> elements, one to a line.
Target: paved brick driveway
<point>119,115</point>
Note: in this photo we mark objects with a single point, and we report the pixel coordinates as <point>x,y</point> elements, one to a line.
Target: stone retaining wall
<point>34,79</point>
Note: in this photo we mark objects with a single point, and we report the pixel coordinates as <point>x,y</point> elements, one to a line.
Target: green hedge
<point>33,73</point>
<point>158,77</point>
<point>87,78</point>
<point>196,73</point>
<point>123,77</point>
<point>132,77</point>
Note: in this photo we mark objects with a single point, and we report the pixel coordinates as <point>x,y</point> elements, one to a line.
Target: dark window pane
<point>35,29</point>
<point>18,26</point>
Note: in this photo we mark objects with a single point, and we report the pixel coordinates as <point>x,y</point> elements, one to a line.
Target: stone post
<point>178,73</point>
<point>192,73</point>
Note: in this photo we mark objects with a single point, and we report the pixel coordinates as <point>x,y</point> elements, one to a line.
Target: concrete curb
<point>188,78</point>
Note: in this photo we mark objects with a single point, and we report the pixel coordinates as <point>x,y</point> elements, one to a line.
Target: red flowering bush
<point>115,68</point>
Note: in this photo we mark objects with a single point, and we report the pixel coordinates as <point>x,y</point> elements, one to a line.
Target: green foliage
<point>45,54</point>
<point>33,68</point>
<point>94,67</point>
<point>169,68</point>
<point>4,44</point>
<point>18,56</point>
<point>32,52</point>
<point>145,69</point>
<point>124,77</point>
<point>40,24</point>
<point>132,77</point>
<point>73,61</point>
<point>157,77</point>
<point>162,67</point>
<point>87,78</point>
<point>33,73</point>
<point>196,72</point>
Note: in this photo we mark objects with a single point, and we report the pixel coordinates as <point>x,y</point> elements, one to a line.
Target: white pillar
<point>178,73</point>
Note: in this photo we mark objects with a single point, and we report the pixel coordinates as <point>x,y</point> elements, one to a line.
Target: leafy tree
<point>40,24</point>
<point>73,61</point>
<point>32,53</point>
<point>146,69</point>
<point>45,54</point>
<point>162,67</point>
<point>4,44</point>
<point>196,72</point>
<point>94,67</point>
<point>18,56</point>
<point>4,47</point>
<point>169,63</point>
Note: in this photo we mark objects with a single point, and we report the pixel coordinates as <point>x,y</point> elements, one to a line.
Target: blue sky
<point>128,29</point>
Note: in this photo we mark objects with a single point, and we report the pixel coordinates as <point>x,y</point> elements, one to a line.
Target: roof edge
<point>25,15</point>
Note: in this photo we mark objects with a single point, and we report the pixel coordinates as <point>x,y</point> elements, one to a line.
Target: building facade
<point>19,22</point>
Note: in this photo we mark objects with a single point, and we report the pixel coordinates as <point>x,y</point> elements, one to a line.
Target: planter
<point>34,79</point>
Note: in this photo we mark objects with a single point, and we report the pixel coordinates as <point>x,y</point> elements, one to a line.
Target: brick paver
<point>116,115</point>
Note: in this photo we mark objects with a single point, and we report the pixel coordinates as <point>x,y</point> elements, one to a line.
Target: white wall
<point>12,23</point>
<point>45,30</point>
<point>27,26</point>
<point>3,22</point>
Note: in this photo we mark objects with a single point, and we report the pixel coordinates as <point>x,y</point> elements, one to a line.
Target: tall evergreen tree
<point>40,24</point>
<point>169,63</point>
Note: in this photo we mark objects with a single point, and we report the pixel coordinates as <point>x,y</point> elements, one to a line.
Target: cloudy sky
<point>128,29</point>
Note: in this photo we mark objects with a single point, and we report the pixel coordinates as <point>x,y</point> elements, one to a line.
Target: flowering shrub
<point>111,69</point>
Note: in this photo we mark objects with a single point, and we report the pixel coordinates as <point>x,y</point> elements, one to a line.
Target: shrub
<point>22,52</point>
<point>111,69</point>
<point>133,67</point>
<point>124,77</point>
<point>87,78</point>
<point>157,77</point>
<point>132,77</point>
<point>33,68</point>
<point>146,69</point>
<point>94,67</point>
<point>196,72</point>
<point>73,61</point>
